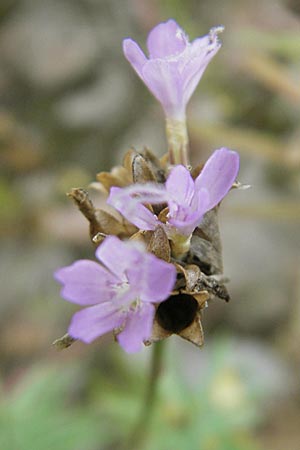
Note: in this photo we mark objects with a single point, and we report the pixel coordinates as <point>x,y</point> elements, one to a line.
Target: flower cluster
<point>159,249</point>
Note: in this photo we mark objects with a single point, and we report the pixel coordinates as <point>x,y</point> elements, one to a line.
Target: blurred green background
<point>70,107</point>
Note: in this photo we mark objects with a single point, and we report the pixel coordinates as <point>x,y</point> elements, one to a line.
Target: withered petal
<point>142,236</point>
<point>159,244</point>
<point>201,297</point>
<point>158,333</point>
<point>86,207</point>
<point>163,215</point>
<point>206,248</point>
<point>164,161</point>
<point>191,274</point>
<point>108,224</point>
<point>194,333</point>
<point>128,158</point>
<point>141,170</point>
<point>156,166</point>
<point>82,200</point>
<point>64,342</point>
<point>118,176</point>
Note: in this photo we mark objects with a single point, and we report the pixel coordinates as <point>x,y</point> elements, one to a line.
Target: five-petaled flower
<point>119,293</point>
<point>175,65</point>
<point>188,200</point>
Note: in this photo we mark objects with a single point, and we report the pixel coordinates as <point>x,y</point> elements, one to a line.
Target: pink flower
<point>188,200</point>
<point>175,65</point>
<point>119,292</point>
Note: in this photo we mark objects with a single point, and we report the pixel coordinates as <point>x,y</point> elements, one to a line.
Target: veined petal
<point>206,44</point>
<point>138,328</point>
<point>134,55</point>
<point>200,53</point>
<point>118,256</point>
<point>85,283</point>
<point>194,215</point>
<point>154,278</point>
<point>129,202</point>
<point>92,322</point>
<point>180,185</point>
<point>164,81</point>
<point>166,39</point>
<point>153,193</point>
<point>200,46</point>
<point>194,70</point>
<point>218,175</point>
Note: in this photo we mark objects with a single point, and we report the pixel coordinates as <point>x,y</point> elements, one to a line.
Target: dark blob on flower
<point>177,312</point>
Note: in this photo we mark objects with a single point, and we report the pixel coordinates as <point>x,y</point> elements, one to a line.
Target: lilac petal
<point>201,52</point>
<point>207,44</point>
<point>92,322</point>
<point>155,278</point>
<point>153,193</point>
<point>138,328</point>
<point>117,256</point>
<point>128,201</point>
<point>200,46</point>
<point>164,81</point>
<point>166,39</point>
<point>194,70</point>
<point>194,216</point>
<point>85,283</point>
<point>134,55</point>
<point>218,175</point>
<point>180,185</point>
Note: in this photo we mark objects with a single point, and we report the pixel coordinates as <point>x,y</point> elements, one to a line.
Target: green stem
<point>140,429</point>
<point>178,141</point>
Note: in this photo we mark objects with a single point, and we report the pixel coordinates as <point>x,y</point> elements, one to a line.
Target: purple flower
<point>119,293</point>
<point>188,200</point>
<point>175,65</point>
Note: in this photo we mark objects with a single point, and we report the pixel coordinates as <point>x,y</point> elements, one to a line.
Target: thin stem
<point>178,141</point>
<point>180,245</point>
<point>140,429</point>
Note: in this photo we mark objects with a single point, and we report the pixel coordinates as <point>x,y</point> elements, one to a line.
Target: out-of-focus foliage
<point>45,410</point>
<point>40,413</point>
<point>216,413</point>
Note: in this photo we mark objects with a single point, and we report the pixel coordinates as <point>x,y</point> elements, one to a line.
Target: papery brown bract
<point>101,222</point>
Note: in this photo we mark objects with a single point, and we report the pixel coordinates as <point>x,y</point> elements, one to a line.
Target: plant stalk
<point>141,428</point>
<point>178,141</point>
